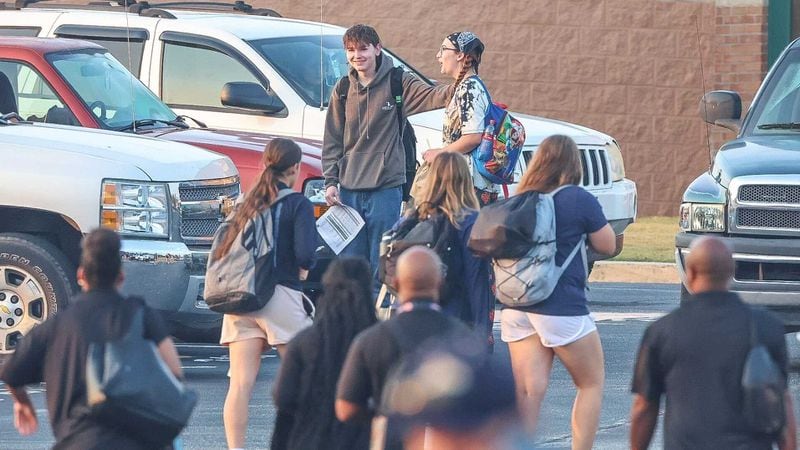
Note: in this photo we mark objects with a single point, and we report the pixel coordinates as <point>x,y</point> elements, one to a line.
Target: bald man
<point>694,357</point>
<point>378,348</point>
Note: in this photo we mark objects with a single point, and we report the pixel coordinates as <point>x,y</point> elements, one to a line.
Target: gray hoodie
<point>361,149</point>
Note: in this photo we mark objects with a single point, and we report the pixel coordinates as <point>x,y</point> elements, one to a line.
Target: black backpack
<point>435,232</point>
<point>129,388</point>
<point>406,130</point>
<point>763,386</point>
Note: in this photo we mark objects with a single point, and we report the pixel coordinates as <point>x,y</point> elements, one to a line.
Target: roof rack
<point>145,8</point>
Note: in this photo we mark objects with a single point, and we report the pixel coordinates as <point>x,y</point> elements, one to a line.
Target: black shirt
<point>296,237</point>
<point>375,351</point>
<point>55,353</point>
<point>695,357</point>
<point>307,426</point>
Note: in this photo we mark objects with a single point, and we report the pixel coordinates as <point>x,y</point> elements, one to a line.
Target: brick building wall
<point>630,68</point>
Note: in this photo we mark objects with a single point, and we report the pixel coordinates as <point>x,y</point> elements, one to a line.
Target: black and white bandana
<point>466,41</point>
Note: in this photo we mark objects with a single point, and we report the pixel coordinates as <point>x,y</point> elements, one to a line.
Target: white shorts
<point>553,331</point>
<point>277,322</point>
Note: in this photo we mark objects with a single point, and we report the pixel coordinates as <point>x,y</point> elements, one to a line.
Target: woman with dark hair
<point>460,57</point>
<point>248,334</point>
<point>305,389</point>
<point>561,325</point>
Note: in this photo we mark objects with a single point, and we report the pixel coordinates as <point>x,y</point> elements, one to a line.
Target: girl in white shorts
<point>561,325</point>
<point>247,335</point>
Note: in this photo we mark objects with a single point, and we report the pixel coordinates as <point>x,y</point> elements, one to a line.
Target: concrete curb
<point>634,272</point>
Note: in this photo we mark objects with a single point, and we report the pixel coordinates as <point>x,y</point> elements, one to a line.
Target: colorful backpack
<point>501,144</point>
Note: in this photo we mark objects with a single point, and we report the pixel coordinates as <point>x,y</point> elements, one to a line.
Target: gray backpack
<point>531,278</point>
<point>242,280</point>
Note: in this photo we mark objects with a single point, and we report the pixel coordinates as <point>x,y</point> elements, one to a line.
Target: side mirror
<point>723,108</point>
<point>246,95</point>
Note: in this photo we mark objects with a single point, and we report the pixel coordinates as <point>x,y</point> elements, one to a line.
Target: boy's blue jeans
<point>380,210</point>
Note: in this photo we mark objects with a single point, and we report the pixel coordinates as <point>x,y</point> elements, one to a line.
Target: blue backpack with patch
<point>503,137</point>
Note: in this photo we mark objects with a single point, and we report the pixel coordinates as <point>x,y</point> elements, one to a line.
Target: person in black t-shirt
<point>694,357</point>
<point>55,351</point>
<point>376,350</point>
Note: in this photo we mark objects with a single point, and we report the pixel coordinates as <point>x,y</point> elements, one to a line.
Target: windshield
<point>113,94</point>
<point>779,105</point>
<point>313,64</point>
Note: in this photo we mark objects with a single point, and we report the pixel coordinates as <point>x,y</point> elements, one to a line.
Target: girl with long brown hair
<point>460,57</point>
<point>449,191</point>
<point>560,325</point>
<point>248,334</point>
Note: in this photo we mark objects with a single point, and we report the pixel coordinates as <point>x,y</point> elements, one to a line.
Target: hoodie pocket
<point>362,169</point>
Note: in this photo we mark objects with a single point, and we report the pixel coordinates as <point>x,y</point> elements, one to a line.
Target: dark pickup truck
<point>750,196</point>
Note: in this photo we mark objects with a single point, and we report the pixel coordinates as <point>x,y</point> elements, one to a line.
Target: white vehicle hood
<point>160,160</point>
<point>536,128</point>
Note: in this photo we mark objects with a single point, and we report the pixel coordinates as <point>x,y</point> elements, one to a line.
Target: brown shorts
<point>277,322</point>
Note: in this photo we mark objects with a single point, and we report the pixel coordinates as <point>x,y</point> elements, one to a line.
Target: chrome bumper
<point>782,297</point>
<point>168,275</point>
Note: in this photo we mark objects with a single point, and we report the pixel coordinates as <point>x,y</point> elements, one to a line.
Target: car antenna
<point>703,82</point>
<point>321,62</point>
<point>130,63</point>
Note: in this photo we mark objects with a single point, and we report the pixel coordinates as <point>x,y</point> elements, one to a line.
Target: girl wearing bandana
<point>459,57</point>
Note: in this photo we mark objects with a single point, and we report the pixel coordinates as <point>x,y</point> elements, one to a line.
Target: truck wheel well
<point>44,224</point>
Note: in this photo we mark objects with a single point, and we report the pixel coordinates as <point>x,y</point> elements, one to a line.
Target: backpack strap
<point>581,245</point>
<point>396,84</point>
<point>342,89</point>
<point>485,89</point>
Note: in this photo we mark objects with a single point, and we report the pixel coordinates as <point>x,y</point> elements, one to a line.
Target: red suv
<point>78,83</point>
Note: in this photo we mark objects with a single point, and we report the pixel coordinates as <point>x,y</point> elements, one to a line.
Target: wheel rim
<point>22,305</point>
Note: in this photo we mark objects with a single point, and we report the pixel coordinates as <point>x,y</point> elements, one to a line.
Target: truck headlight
<point>615,160</point>
<point>314,190</point>
<point>702,217</point>
<point>134,208</point>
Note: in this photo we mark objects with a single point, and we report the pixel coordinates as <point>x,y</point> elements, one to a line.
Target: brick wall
<point>630,68</point>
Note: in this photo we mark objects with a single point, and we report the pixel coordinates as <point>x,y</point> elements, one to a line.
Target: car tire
<point>48,279</point>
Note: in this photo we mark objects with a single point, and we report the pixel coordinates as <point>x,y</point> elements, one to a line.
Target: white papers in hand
<point>338,226</point>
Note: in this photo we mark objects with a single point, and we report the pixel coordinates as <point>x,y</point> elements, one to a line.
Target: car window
<point>20,31</point>
<point>780,102</point>
<point>114,95</point>
<point>194,76</point>
<point>34,98</point>
<point>312,64</point>
<point>128,53</point>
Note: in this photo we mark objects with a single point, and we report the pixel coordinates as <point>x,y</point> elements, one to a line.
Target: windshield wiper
<point>149,122</point>
<point>183,118</point>
<point>11,118</point>
<point>780,126</point>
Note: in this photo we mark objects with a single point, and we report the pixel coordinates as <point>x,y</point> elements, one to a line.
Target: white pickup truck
<point>59,182</point>
<point>277,75</point>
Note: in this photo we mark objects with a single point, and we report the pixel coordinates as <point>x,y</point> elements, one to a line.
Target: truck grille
<point>765,193</point>
<point>594,162</point>
<point>201,208</point>
<point>765,218</point>
<point>198,193</point>
<point>765,205</point>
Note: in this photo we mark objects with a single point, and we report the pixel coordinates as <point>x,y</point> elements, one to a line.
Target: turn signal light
<point>319,210</point>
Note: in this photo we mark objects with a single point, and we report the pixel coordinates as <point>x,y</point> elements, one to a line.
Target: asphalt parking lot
<point>622,312</point>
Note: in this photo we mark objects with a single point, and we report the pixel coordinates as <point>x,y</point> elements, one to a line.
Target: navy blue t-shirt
<point>577,212</point>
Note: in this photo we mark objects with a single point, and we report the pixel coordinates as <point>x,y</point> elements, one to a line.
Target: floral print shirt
<point>465,115</point>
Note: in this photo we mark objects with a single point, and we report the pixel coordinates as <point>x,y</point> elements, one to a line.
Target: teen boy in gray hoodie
<point>363,158</point>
